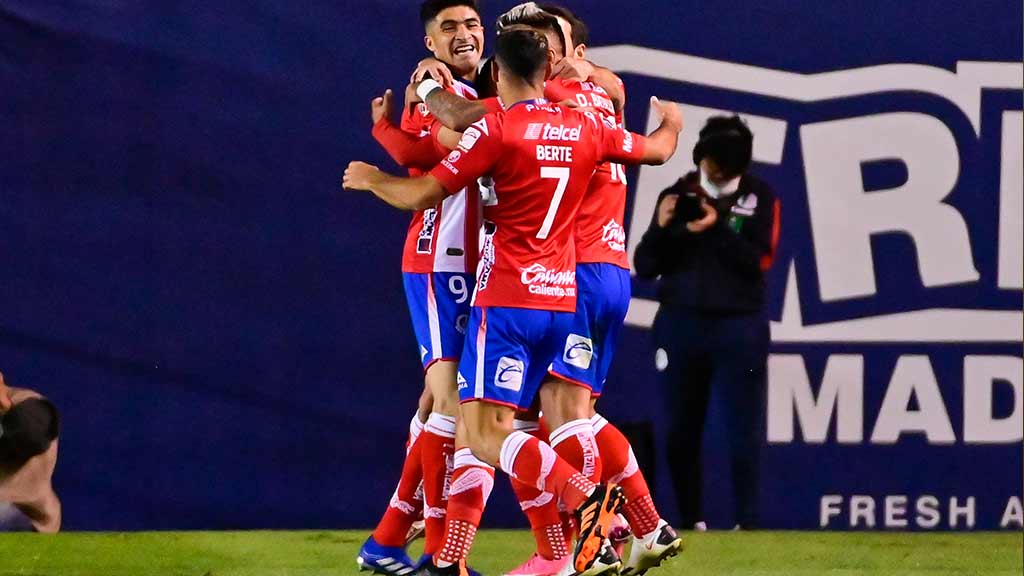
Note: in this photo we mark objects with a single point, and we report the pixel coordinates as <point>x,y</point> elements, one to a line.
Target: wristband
<point>426,87</point>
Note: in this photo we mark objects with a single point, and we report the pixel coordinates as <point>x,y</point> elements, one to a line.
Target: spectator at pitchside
<point>711,241</point>
<point>29,426</point>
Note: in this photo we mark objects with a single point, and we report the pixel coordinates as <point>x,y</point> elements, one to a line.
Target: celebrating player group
<point>517,281</point>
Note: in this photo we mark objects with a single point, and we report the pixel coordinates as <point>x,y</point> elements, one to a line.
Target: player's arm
<point>402,193</point>
<point>408,150</point>
<point>452,110</point>
<point>619,145</point>
<point>477,153</point>
<point>661,144</point>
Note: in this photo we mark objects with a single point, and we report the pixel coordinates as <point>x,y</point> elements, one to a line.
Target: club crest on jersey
<point>425,241</point>
<point>422,109</point>
<point>509,374</point>
<point>614,235</point>
<point>579,351</point>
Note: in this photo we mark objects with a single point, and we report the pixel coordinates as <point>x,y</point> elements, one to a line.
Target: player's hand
<point>669,113</point>
<point>380,107</point>
<point>5,395</point>
<point>571,68</point>
<point>360,176</point>
<point>709,219</point>
<point>433,68</point>
<point>667,209</point>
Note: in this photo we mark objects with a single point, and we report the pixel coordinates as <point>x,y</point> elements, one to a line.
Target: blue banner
<point>225,331</point>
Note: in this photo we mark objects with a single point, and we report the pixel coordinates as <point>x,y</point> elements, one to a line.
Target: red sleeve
<point>476,155</point>
<point>409,150</point>
<point>617,144</point>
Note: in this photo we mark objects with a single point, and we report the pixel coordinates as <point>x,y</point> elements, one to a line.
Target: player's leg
<point>541,510</point>
<point>446,316</point>
<point>565,394</point>
<point>472,477</point>
<point>492,373</point>
<point>437,452</point>
<point>654,540</point>
<point>384,551</point>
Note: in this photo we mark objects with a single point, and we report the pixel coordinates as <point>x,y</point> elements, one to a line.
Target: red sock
<point>574,442</point>
<point>406,503</point>
<point>533,462</point>
<point>438,439</point>
<point>541,509</point>
<point>620,467</point>
<point>472,482</point>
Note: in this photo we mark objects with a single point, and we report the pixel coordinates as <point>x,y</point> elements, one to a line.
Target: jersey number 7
<point>562,175</point>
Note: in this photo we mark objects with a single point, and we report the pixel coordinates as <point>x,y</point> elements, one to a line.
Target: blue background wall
<point>224,328</point>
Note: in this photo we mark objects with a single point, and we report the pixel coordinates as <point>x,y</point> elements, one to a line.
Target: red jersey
<point>541,158</point>
<point>443,238</point>
<point>600,235</point>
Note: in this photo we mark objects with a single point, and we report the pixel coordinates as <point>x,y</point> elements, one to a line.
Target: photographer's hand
<point>709,219</point>
<point>667,209</point>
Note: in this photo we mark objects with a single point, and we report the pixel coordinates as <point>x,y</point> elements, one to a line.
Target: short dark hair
<point>580,32</point>
<point>27,430</point>
<point>539,20</point>
<point>728,141</point>
<point>429,9</point>
<point>523,52</point>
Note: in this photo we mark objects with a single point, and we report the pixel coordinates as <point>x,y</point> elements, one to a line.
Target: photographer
<point>711,241</point>
<point>29,427</point>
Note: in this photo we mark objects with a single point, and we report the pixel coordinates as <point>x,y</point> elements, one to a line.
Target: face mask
<point>714,190</point>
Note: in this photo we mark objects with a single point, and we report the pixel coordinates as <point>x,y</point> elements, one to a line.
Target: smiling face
<point>456,37</point>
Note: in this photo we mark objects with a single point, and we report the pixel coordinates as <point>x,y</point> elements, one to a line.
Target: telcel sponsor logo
<point>537,131</point>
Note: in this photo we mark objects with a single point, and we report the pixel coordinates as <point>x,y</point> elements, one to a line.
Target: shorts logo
<point>579,351</point>
<point>461,380</point>
<point>461,322</point>
<point>509,374</point>
<point>423,352</point>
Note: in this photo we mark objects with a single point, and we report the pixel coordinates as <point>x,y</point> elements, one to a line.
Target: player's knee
<point>562,401</point>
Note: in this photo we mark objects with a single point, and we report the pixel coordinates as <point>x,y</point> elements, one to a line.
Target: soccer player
<point>540,157</point>
<point>577,376</point>
<point>578,373</point>
<point>438,261</point>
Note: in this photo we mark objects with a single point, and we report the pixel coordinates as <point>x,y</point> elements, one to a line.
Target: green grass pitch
<point>333,553</point>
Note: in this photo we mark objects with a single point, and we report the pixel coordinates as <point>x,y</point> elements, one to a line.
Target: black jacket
<point>721,269</point>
